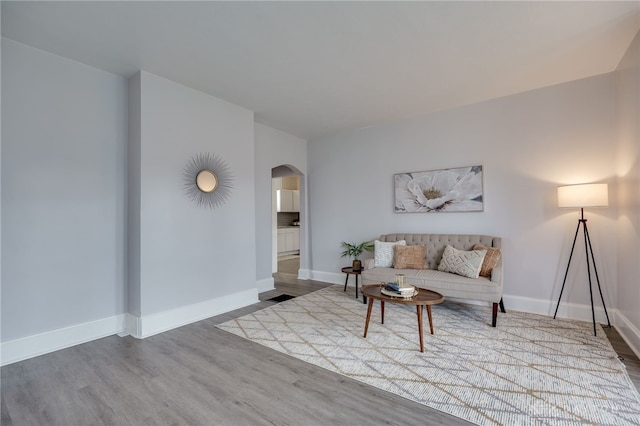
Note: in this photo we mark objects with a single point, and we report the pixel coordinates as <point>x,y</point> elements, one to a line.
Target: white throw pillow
<point>460,262</point>
<point>383,253</point>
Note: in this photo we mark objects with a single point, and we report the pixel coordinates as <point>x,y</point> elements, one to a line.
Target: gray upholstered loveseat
<point>449,285</point>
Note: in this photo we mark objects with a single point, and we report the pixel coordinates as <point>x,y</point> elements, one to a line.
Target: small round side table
<point>349,271</point>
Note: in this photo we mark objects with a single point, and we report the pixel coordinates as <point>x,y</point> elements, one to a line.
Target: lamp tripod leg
<point>586,252</point>
<point>573,246</point>
<point>593,259</point>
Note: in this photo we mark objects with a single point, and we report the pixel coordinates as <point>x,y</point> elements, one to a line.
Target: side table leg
<point>345,283</point>
<point>382,311</point>
<point>430,319</point>
<point>419,311</point>
<point>366,324</point>
<point>356,286</point>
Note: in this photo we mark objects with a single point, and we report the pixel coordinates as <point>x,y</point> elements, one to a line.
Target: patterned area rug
<point>530,370</point>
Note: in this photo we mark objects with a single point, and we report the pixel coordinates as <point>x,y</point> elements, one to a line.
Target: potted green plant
<point>355,250</point>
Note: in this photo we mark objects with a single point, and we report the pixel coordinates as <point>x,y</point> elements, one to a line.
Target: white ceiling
<point>313,68</point>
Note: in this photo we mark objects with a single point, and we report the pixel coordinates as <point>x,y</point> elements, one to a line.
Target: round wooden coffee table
<point>423,298</point>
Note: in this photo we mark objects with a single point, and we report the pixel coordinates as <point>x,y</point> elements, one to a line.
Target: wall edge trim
<point>61,338</point>
<point>160,322</point>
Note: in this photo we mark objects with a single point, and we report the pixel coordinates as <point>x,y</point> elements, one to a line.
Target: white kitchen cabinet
<point>284,199</point>
<point>288,200</point>
<point>294,240</point>
<point>282,241</point>
<point>288,240</point>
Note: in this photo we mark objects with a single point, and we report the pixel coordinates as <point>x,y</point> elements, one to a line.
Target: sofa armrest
<point>497,273</point>
<point>368,264</point>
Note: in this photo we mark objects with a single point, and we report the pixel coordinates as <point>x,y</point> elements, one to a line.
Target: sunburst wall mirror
<point>207,180</point>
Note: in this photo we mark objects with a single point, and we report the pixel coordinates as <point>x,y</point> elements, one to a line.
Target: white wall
<point>63,181</point>
<point>628,196</point>
<point>78,224</point>
<point>528,143</point>
<point>275,148</point>
<point>191,254</point>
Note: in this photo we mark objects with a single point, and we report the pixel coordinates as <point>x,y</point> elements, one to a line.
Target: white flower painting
<point>448,190</point>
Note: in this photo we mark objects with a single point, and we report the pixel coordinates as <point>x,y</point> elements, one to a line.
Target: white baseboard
<point>266,285</point>
<point>628,332</point>
<point>133,325</point>
<point>304,274</point>
<point>328,277</point>
<point>50,341</point>
<point>565,310</point>
<point>149,325</point>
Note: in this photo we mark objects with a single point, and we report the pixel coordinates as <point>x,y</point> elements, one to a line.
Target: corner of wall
<point>266,285</point>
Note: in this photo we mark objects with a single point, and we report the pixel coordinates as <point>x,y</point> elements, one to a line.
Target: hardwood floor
<point>198,374</point>
<point>289,265</point>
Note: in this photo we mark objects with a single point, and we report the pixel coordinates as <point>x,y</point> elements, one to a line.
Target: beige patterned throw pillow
<point>409,257</point>
<point>460,262</point>
<point>490,260</point>
<point>383,253</point>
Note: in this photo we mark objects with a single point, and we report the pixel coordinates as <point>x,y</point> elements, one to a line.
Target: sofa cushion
<point>409,257</point>
<point>490,260</point>
<point>436,243</point>
<point>383,253</point>
<point>460,262</point>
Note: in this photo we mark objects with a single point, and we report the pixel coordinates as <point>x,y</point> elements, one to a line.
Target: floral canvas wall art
<point>447,190</point>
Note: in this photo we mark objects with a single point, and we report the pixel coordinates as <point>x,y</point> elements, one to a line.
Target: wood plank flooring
<point>289,265</point>
<point>198,374</point>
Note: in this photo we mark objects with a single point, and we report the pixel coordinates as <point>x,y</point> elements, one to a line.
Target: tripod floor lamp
<point>581,196</point>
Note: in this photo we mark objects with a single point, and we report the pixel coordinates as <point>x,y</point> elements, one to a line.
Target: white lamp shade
<point>585,195</point>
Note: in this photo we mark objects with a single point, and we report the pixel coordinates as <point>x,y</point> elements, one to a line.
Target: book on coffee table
<point>392,289</point>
